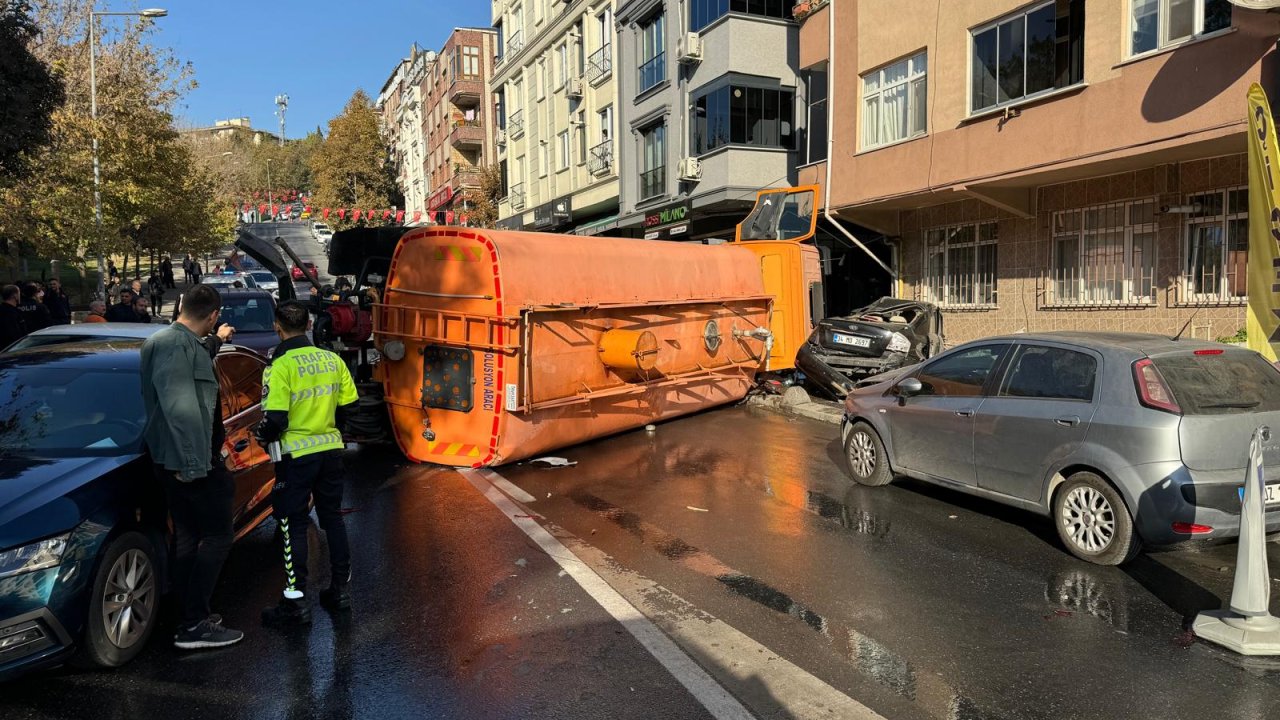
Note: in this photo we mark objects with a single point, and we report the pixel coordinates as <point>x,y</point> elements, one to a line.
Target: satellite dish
<point>1257,4</point>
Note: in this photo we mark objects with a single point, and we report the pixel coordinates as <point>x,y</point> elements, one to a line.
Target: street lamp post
<point>93,112</point>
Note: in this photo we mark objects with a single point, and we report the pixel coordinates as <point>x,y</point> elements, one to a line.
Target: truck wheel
<point>868,461</point>
<point>123,604</point>
<point>1093,521</point>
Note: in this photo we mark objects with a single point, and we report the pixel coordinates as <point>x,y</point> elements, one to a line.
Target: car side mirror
<point>909,387</point>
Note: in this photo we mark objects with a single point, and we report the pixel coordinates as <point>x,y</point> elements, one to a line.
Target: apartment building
<point>711,100</point>
<point>555,88</point>
<point>400,105</point>
<point>458,122</point>
<point>1048,165</point>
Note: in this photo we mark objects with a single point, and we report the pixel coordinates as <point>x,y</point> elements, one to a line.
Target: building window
<point>653,158</point>
<point>1155,24</point>
<point>1216,246</point>
<point>1104,255</point>
<point>704,12</point>
<point>563,147</point>
<point>894,102</point>
<point>1033,52</point>
<point>582,142</point>
<point>544,158</point>
<point>562,65</point>
<point>960,265</point>
<point>653,55</point>
<point>540,78</point>
<point>470,62</point>
<point>604,28</point>
<point>815,95</point>
<point>740,115</point>
<point>582,49</point>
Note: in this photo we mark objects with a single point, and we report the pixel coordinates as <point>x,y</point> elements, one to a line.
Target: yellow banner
<point>1264,228</point>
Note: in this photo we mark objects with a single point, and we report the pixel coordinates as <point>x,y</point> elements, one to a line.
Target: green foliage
<point>350,168</point>
<point>1241,336</point>
<point>29,91</point>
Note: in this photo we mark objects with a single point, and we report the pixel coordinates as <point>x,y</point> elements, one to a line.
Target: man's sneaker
<point>214,618</point>
<point>206,634</point>
<point>336,597</point>
<point>288,613</point>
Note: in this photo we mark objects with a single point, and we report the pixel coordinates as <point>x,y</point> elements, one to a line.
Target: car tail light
<point>1153,391</point>
<point>1191,528</point>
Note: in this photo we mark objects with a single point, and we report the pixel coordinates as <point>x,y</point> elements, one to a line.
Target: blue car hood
<point>34,494</point>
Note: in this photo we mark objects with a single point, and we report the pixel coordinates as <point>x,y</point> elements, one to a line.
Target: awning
<point>597,226</point>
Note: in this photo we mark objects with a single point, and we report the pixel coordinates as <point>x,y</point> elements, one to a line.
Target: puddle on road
<point>872,659</point>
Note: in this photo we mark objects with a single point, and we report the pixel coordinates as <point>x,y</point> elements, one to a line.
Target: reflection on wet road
<point>918,601</point>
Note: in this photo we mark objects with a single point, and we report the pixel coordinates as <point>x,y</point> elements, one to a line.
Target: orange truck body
<point>513,344</point>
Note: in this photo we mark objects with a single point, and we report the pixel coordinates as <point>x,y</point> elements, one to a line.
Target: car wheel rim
<point>862,454</point>
<point>129,599</point>
<point>1089,520</point>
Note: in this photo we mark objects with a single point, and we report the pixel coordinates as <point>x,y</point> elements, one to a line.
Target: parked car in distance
<point>108,331</point>
<point>321,231</point>
<point>300,274</point>
<point>1121,439</point>
<point>889,333</point>
<point>265,281</point>
<point>83,531</point>
<point>226,280</point>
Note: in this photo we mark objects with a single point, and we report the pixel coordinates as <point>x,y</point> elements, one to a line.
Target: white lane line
<point>507,486</point>
<point>706,690</point>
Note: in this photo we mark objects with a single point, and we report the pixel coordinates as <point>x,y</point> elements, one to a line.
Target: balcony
<point>515,43</point>
<point>516,197</point>
<point>653,72</point>
<point>653,183</point>
<point>515,125</point>
<point>467,134</point>
<point>466,92</point>
<point>465,177</point>
<point>600,65</point>
<point>600,159</point>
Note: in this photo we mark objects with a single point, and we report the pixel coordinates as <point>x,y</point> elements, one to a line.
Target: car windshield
<point>40,339</point>
<point>248,314</point>
<point>263,277</point>
<point>1221,383</point>
<point>69,412</point>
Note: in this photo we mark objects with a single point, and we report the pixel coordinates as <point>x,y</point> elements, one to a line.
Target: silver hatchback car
<point>1120,438</point>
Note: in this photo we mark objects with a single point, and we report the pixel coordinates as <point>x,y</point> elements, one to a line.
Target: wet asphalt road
<point>916,601</point>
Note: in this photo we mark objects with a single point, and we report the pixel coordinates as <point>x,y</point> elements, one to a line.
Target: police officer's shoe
<point>288,613</point>
<point>336,597</point>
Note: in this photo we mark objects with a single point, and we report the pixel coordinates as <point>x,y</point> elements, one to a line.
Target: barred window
<point>960,265</point>
<point>1104,255</point>
<point>1216,246</point>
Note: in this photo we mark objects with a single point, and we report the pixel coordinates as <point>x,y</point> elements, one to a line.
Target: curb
<point>798,403</point>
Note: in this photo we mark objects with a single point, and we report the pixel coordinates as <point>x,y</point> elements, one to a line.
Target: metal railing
<point>653,182</point>
<point>1098,285</point>
<point>653,71</point>
<point>515,43</point>
<point>1214,285</point>
<point>600,158</point>
<point>600,64</point>
<point>516,196</point>
<point>515,124</point>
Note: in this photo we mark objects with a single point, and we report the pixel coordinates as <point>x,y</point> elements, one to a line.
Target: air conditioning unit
<point>691,52</point>
<point>502,136</point>
<point>573,88</point>
<point>690,168</point>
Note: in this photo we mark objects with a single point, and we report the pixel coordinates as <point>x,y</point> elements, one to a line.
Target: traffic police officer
<point>303,389</point>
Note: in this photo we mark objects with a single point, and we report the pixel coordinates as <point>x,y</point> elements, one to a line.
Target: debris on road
<point>696,509</point>
<point>522,562</point>
<point>554,461</point>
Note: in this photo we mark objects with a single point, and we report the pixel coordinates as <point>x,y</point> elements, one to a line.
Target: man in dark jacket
<point>34,313</point>
<point>58,303</point>
<point>166,272</point>
<point>123,311</point>
<point>12,326</point>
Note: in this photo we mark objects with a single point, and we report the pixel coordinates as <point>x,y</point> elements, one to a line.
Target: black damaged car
<point>887,334</point>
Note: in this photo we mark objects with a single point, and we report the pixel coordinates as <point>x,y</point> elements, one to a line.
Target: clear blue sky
<point>316,51</point>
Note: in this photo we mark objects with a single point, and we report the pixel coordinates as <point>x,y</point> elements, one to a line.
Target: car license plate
<point>851,340</point>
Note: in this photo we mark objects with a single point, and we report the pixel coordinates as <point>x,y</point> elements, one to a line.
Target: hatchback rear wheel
<point>868,462</point>
<point>1093,521</point>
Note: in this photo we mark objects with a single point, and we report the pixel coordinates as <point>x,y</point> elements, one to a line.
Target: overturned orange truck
<point>499,345</point>
<point>475,347</point>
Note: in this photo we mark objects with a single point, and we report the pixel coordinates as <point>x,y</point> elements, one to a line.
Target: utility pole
<point>282,105</point>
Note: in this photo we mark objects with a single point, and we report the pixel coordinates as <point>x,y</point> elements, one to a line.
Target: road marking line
<point>507,486</point>
<point>688,673</point>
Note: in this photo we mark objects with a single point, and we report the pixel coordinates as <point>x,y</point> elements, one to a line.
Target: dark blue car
<point>83,528</point>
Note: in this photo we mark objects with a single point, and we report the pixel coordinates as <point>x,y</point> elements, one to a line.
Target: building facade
<point>711,101</point>
<point>555,89</point>
<point>400,106</point>
<point>228,130</point>
<point>1047,165</point>
<point>459,122</point>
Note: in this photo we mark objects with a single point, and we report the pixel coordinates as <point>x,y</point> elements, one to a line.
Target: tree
<point>29,91</point>
<point>350,168</point>
<point>484,201</point>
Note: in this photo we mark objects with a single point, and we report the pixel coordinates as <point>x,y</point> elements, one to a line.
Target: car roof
<point>243,292</point>
<point>113,329</point>
<point>1141,343</point>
